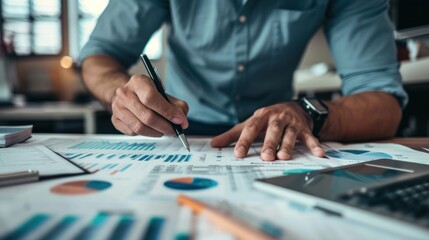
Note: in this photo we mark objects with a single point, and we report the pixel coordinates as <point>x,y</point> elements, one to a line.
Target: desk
<point>139,198</point>
<point>54,112</point>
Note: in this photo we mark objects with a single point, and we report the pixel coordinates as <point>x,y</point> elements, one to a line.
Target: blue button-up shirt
<point>227,58</point>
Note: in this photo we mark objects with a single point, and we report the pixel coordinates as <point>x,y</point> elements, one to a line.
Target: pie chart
<point>81,187</point>
<point>190,183</point>
<point>356,155</point>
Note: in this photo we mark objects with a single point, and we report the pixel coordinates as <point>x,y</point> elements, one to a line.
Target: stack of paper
<point>10,135</point>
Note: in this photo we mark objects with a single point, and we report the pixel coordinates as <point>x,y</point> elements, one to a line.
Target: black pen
<point>153,73</point>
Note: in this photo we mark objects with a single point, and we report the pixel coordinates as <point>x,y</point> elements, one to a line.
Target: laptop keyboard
<point>407,201</point>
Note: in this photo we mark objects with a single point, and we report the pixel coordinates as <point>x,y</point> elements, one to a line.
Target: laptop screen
<point>342,180</point>
<point>330,183</point>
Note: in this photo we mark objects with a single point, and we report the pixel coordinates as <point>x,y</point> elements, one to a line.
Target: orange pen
<point>239,228</point>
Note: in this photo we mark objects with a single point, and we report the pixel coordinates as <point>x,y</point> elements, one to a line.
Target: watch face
<point>317,105</point>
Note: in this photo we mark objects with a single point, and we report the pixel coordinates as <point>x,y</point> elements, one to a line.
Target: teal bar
<point>60,228</point>
<point>182,236</point>
<point>27,227</point>
<point>123,228</point>
<point>90,231</point>
<point>154,228</point>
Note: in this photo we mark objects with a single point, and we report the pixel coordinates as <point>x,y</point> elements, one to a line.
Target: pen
<point>8,179</point>
<point>153,73</point>
<point>230,222</point>
<point>262,224</point>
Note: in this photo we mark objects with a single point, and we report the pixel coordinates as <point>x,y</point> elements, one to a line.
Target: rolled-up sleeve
<point>361,40</point>
<point>124,28</point>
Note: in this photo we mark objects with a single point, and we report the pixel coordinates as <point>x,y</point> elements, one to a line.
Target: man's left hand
<point>280,125</point>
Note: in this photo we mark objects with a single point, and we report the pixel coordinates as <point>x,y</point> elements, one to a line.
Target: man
<point>232,62</point>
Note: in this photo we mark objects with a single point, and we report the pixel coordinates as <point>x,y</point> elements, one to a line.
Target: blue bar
<point>113,166</point>
<point>123,156</point>
<point>100,155</point>
<point>148,147</point>
<point>90,231</point>
<point>89,145</point>
<point>92,166</point>
<point>126,167</point>
<point>149,158</point>
<point>108,146</point>
<point>105,167</point>
<point>75,156</point>
<point>154,228</point>
<point>123,228</point>
<point>60,228</point>
<point>111,156</point>
<point>133,157</point>
<point>142,158</point>
<point>174,158</point>
<point>27,227</point>
<point>182,158</point>
<point>158,157</point>
<point>87,155</point>
<point>75,146</point>
<point>188,158</point>
<point>168,158</point>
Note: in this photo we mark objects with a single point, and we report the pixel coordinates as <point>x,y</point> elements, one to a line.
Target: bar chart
<point>111,145</point>
<point>101,225</point>
<point>167,158</point>
<point>108,168</point>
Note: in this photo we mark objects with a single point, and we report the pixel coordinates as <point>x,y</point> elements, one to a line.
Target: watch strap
<point>318,116</point>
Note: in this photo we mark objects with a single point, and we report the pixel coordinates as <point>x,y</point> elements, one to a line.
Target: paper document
<point>136,180</point>
<point>38,158</point>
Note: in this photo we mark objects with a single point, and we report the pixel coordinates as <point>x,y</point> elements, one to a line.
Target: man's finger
<point>134,124</point>
<point>183,106</point>
<point>151,98</point>
<point>228,137</point>
<point>122,127</point>
<point>251,131</point>
<point>148,117</point>
<point>272,139</point>
<point>312,144</point>
<point>285,151</point>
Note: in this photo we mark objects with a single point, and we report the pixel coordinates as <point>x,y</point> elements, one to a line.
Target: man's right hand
<point>139,109</point>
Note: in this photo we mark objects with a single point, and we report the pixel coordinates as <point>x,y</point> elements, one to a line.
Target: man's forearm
<point>102,75</point>
<point>363,116</point>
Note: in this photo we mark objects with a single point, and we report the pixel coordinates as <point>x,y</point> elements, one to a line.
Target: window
<point>86,13</point>
<point>34,26</point>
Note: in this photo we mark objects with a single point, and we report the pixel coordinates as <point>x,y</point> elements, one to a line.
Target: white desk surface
<point>298,221</point>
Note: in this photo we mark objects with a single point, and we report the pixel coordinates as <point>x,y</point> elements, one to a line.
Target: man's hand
<point>139,109</point>
<point>281,124</point>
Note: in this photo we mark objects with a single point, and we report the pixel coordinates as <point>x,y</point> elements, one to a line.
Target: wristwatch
<point>317,110</point>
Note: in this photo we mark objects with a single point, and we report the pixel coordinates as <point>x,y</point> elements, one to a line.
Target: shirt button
<point>242,19</point>
<point>240,68</point>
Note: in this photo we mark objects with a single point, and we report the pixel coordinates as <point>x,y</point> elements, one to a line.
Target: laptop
<point>389,194</point>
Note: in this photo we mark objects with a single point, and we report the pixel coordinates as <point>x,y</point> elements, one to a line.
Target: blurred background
<point>40,83</point>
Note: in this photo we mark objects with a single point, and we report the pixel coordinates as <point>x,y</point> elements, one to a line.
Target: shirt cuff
<point>386,80</point>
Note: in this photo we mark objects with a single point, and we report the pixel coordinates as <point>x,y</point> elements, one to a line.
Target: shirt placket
<point>241,47</point>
